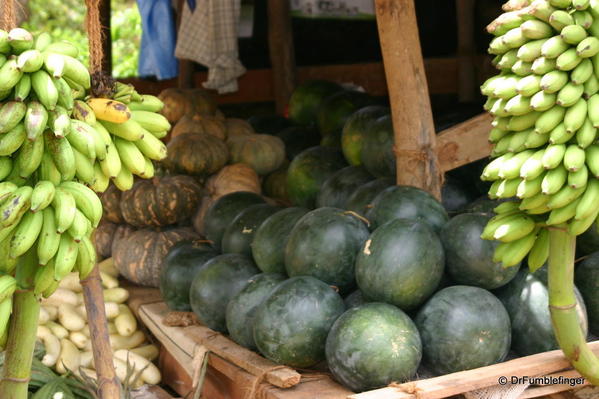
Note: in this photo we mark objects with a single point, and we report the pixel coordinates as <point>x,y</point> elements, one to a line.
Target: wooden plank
<point>408,94</point>
<point>555,389</point>
<point>464,143</point>
<point>281,51</point>
<point>470,380</point>
<point>150,392</point>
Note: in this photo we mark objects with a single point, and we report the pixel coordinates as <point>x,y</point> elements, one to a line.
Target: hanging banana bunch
<point>545,103</point>
<point>59,146</point>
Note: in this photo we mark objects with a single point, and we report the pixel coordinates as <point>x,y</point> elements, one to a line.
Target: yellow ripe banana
<point>130,155</point>
<point>49,238</point>
<point>109,110</point>
<point>42,196</point>
<point>539,253</point>
<point>86,200</point>
<point>25,234</point>
<point>64,208</point>
<point>65,257</point>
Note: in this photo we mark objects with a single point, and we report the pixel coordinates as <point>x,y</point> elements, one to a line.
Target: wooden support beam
<point>282,53</point>
<point>464,143</point>
<point>106,38</point>
<point>408,95</point>
<point>466,49</point>
<point>186,67</point>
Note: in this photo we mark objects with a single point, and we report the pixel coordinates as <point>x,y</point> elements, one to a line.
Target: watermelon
<point>463,328</point>
<point>269,124</point>
<point>332,140</point>
<point>455,196</point>
<point>242,307</point>
<point>401,263</point>
<point>297,139</point>
<point>469,257</point>
<point>588,242</point>
<point>307,98</point>
<point>308,171</point>
<point>215,284</point>
<point>526,300</point>
<point>224,210</point>
<point>275,185</point>
<point>180,265</point>
<point>335,109</point>
<point>587,281</point>
<point>372,345</point>
<point>360,201</point>
<point>354,299</point>
<point>406,202</point>
<point>324,244</point>
<point>378,143</point>
<point>482,205</point>
<point>268,246</point>
<point>335,190</point>
<point>354,130</point>
<point>291,325</point>
<point>239,234</point>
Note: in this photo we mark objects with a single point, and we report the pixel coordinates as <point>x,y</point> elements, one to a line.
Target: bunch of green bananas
<point>546,107</point>
<point>59,146</point>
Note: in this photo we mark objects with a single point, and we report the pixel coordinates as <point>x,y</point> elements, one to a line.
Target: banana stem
<point>562,305</point>
<point>20,345</point>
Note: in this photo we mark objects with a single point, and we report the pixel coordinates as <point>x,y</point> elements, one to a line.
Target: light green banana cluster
<point>59,146</point>
<point>546,107</point>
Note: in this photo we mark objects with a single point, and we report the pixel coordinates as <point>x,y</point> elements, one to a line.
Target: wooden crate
<point>233,369</point>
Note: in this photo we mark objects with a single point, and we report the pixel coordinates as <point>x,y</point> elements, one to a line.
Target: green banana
<point>507,188</point>
<point>44,277</point>
<point>533,167</point>
<point>575,116</point>
<point>514,228</point>
<point>526,87</point>
<point>8,286</point>
<point>42,41</point>
<point>587,48</point>
<point>59,121</point>
<point>48,170</point>
<point>111,165</point>
<point>542,101</point>
<point>560,19</point>
<point>548,120</point>
<point>554,81</point>
<point>130,155</point>
<point>62,154</point>
<point>541,9</point>
<point>84,113</point>
<point>29,157</point>
<point>582,72</point>
<point>149,170</point>
<point>65,257</point>
<point>76,71</point>
<point>522,68</point>
<point>25,234</point>
<point>11,114</point>
<point>13,207</point>
<point>562,215</point>
<point>36,119</point>
<point>84,167</point>
<point>529,188</point>
<point>514,38</point>
<point>65,96</point>
<point>86,200</point>
<point>568,60</point>
<point>579,178</point>
<point>527,53</point>
<point>586,134</point>
<point>6,165</point>
<point>534,202</point>
<point>20,40</point>
<point>49,238</point>
<point>86,258</point>
<point>573,34</point>
<point>64,209</point>
<point>536,140</point>
<point>30,61</point>
<point>124,180</point>
<point>559,134</point>
<point>501,123</point>
<point>592,159</point>
<point>54,64</point>
<point>82,139</point>
<point>64,48</point>
<point>554,180</point>
<point>510,168</point>
<point>498,108</point>
<point>524,122</point>
<point>45,89</point>
<point>583,18</point>
<point>155,149</point>
<point>132,131</point>
<point>539,253</point>
<point>23,88</point>
<point>4,46</point>
<point>554,47</point>
<point>535,29</point>
<point>574,158</point>
<point>564,196</point>
<point>42,196</point>
<point>517,141</point>
<point>569,95</point>
<point>553,156</point>
<point>591,86</point>
<point>148,103</point>
<point>517,250</point>
<point>101,181</point>
<point>577,227</point>
<point>542,65</point>
<point>79,227</point>
<point>581,4</point>
<point>491,171</point>
<point>10,75</point>
<point>156,123</point>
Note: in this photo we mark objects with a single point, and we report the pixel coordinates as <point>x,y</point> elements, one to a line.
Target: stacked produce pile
<point>64,331</point>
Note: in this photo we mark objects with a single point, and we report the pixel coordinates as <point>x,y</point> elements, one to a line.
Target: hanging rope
<point>94,34</point>
<point>9,18</point>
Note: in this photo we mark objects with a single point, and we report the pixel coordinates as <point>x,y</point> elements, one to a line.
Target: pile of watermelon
<point>375,279</point>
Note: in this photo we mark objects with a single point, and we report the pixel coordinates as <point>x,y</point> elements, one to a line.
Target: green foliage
<point>65,20</point>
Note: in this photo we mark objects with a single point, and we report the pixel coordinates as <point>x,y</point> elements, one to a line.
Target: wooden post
<point>107,40</point>
<point>408,94</point>
<point>466,50</point>
<point>186,67</point>
<point>282,53</point>
<point>93,295</point>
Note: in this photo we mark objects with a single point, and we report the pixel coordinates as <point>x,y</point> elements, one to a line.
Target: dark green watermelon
<point>269,124</point>
<point>335,110</point>
<point>482,205</point>
<point>463,328</point>
<point>297,139</point>
<point>401,263</point>
<point>242,307</point>
<point>354,299</point>
<point>469,258</point>
<point>324,244</point>
<point>239,234</point>
<point>180,265</point>
<point>307,98</point>
<point>268,246</point>
<point>224,210</point>
<point>455,195</point>
<point>378,143</point>
<point>354,130</point>
<point>588,242</point>
<point>332,140</point>
<point>372,345</point>
<point>275,184</point>
<point>526,300</point>
<point>215,284</point>
<point>291,325</point>
<point>587,281</point>
<point>335,191</point>
<point>405,202</point>
<point>308,171</point>
<point>361,199</point>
